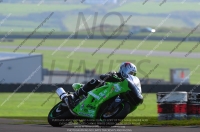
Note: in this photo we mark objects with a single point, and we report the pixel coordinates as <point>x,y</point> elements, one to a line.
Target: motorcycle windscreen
<point>135,86</point>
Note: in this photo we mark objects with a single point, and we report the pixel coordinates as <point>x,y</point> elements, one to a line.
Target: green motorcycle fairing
<point>89,106</point>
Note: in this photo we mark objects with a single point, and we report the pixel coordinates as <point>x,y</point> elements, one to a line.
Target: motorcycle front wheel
<point>59,116</point>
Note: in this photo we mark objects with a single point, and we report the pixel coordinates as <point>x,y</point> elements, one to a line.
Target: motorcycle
<point>106,105</point>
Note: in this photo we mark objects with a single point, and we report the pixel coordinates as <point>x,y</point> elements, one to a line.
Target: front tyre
<point>111,118</point>
<point>59,115</point>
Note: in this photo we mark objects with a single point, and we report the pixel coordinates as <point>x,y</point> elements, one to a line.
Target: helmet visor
<point>132,73</point>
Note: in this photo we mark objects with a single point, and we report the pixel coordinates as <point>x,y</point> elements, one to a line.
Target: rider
<point>126,70</point>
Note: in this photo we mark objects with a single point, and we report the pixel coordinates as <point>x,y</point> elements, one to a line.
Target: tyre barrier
<point>193,109</point>
<point>172,105</point>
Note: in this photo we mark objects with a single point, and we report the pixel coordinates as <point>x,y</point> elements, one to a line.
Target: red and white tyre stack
<point>193,108</point>
<point>172,105</point>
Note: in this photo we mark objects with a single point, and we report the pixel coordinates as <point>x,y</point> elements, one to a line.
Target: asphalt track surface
<point>48,128</point>
<point>16,125</point>
<point>109,51</point>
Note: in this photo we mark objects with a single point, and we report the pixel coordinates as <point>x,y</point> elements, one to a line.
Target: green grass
<point>114,20</point>
<point>21,23</point>
<point>29,26</point>
<point>32,106</point>
<point>71,23</point>
<point>184,122</point>
<point>31,111</point>
<point>153,7</point>
<point>29,29</point>
<point>154,21</point>
<point>129,44</point>
<point>144,67</point>
<point>181,34</point>
<point>25,9</point>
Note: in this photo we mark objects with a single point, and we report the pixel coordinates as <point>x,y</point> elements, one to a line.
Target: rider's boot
<point>84,90</point>
<point>73,98</point>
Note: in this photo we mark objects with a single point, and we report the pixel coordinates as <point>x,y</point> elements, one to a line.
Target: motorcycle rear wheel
<point>111,118</point>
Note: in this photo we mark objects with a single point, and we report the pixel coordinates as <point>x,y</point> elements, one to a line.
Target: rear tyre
<point>59,116</point>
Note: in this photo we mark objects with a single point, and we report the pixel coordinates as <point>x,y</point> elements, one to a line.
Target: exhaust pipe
<point>61,93</point>
<point>63,96</point>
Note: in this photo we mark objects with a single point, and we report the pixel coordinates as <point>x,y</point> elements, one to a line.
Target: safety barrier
<point>178,105</point>
<point>193,109</point>
<point>172,105</point>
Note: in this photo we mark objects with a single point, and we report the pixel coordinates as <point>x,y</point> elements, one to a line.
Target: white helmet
<point>127,68</point>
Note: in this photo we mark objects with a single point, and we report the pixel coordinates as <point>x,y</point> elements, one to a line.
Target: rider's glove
<point>110,77</point>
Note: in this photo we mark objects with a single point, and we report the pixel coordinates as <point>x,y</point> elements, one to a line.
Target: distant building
<point>20,68</point>
<point>180,75</point>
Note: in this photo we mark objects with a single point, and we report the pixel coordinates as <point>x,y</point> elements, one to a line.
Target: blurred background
<point>60,42</point>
